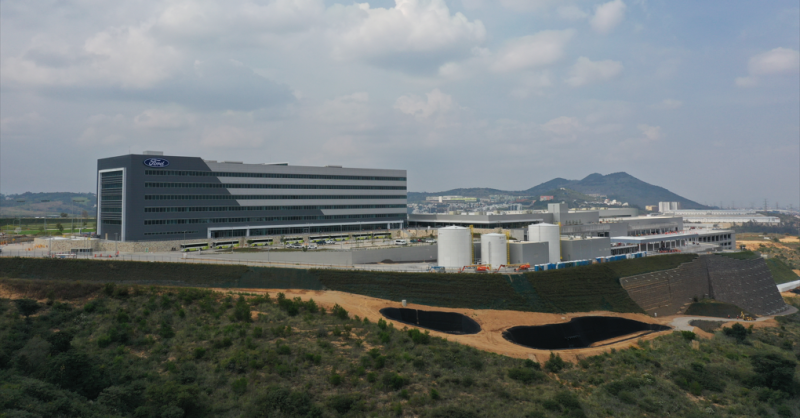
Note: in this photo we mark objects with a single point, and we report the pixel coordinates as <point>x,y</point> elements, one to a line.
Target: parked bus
<point>199,246</point>
<point>226,244</point>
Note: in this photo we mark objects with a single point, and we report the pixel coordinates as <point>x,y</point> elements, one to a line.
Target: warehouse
<point>152,197</point>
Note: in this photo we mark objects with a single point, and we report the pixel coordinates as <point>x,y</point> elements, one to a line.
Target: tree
<point>27,307</point>
<point>64,214</point>
<point>737,331</point>
<point>84,214</point>
<point>60,228</point>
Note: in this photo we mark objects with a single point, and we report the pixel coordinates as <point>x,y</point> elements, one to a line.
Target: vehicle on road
<point>400,242</point>
<point>430,241</point>
<point>312,246</point>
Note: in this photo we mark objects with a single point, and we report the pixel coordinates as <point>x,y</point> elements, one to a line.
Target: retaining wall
<point>747,284</point>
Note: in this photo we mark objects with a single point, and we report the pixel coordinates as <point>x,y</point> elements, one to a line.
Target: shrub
<point>526,375</point>
<point>344,403</point>
<point>435,395</point>
<point>335,379</point>
<point>339,312</point>
<point>452,412</point>
<point>555,364</point>
<point>27,307</point>
<point>199,352</point>
<point>239,386</point>
<point>418,337</point>
<point>392,381</point>
<point>774,372</point>
<point>242,311</point>
<point>532,364</point>
<point>282,331</point>
<point>281,401</point>
<point>166,331</point>
<point>258,332</point>
<point>688,335</point>
<point>381,324</point>
<point>737,331</point>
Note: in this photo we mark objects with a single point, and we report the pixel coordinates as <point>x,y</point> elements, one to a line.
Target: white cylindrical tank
<point>454,247</point>
<point>548,233</point>
<point>494,251</point>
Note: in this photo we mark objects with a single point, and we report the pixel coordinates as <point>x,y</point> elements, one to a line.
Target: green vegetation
<point>742,255</point>
<point>707,326</point>
<point>715,309</point>
<point>127,351</point>
<point>577,289</point>
<point>780,271</point>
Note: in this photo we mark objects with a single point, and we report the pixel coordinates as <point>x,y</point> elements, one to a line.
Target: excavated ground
<point>492,323</point>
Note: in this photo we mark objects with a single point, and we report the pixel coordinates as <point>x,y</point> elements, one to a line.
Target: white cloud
<point>746,81</point>
<point>564,126</point>
<point>586,71</point>
<point>608,16</point>
<point>104,130</point>
<point>423,29</point>
<point>436,102</point>
<point>651,133</point>
<point>350,112</point>
<point>226,136</point>
<point>532,51</point>
<point>668,104</point>
<point>779,61</point>
<point>127,56</point>
<point>163,119</point>
<point>776,61</point>
<point>571,13</point>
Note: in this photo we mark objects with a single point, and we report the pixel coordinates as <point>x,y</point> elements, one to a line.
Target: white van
<point>400,242</point>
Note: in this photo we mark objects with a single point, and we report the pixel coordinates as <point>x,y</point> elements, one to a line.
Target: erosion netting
<point>448,322</point>
<point>577,333</point>
<point>577,289</point>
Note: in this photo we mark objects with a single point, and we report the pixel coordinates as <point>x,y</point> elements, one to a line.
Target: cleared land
<point>715,309</point>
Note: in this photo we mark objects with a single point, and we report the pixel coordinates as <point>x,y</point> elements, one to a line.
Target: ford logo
<point>156,162</point>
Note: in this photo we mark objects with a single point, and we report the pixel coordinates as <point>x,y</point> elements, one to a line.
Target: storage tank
<point>494,251</point>
<point>454,247</point>
<point>548,233</point>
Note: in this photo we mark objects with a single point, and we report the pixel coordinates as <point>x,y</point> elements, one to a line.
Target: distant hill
<point>620,186</point>
<point>42,204</point>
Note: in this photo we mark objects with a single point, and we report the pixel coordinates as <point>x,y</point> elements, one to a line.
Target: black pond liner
<point>578,332</point>
<point>448,322</point>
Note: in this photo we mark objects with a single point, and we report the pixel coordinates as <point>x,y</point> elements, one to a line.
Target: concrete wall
<point>585,248</point>
<point>426,253</point>
<point>529,252</point>
<point>668,292</point>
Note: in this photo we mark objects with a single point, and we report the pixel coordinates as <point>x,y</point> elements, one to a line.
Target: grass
<point>742,255</point>
<point>715,309</point>
<point>124,351</point>
<point>780,271</point>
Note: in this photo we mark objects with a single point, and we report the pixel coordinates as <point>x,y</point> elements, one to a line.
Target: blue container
<point>551,266</point>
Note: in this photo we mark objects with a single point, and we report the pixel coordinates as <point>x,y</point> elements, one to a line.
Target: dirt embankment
<point>492,322</point>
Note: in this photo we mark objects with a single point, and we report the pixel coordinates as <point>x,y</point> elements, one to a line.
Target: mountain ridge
<point>620,186</point>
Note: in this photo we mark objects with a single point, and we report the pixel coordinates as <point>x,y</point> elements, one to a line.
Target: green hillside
<point>91,350</point>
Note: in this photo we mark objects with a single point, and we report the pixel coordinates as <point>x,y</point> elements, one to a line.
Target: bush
<point>688,335</point>
<point>418,337</point>
<point>774,372</point>
<point>737,331</point>
<point>555,364</point>
<point>344,403</point>
<point>335,379</point>
<point>452,412</point>
<point>280,401</point>
<point>392,381</point>
<point>239,386</point>
<point>242,311</point>
<point>339,312</point>
<point>199,352</point>
<point>27,307</point>
<point>526,375</point>
<point>435,395</point>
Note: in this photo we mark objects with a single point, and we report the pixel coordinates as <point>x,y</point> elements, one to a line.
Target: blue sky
<point>700,97</point>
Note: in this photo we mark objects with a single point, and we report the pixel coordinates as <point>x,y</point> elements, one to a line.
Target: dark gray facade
<point>192,198</point>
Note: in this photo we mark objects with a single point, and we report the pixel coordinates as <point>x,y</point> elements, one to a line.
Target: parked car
<point>430,241</point>
<point>294,246</point>
<point>312,246</point>
<point>329,242</point>
<point>400,242</point>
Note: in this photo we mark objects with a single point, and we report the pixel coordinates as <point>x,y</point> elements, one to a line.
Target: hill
<point>620,186</point>
<point>91,350</point>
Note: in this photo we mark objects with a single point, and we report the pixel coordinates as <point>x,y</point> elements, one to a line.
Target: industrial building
<point>152,197</point>
<point>729,216</point>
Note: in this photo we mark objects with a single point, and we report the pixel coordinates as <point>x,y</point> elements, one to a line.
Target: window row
<point>110,210</point>
<point>264,175</point>
<point>111,197</point>
<point>268,186</point>
<point>171,233</point>
<point>263,208</point>
<point>260,219</point>
<point>299,230</point>
<point>264,197</point>
<point>108,174</point>
<point>111,222</point>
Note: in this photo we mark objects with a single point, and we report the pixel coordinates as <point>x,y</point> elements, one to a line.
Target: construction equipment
<point>436,269</point>
<point>523,267</point>
<point>479,268</point>
<point>517,267</point>
<point>747,317</point>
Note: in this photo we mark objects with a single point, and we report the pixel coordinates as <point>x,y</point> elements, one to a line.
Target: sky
<point>702,98</point>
